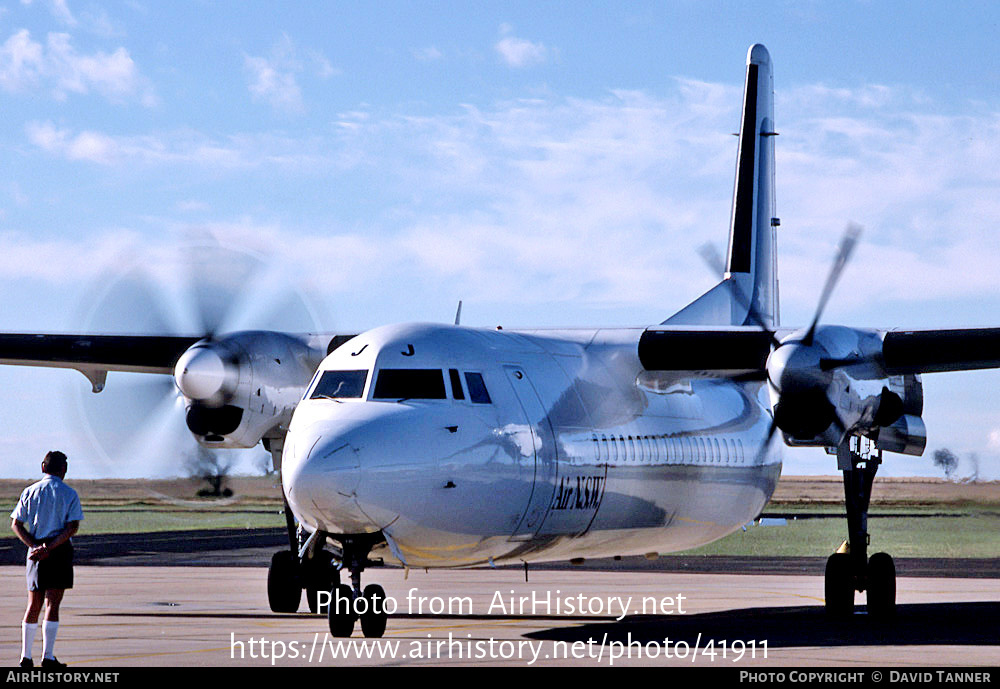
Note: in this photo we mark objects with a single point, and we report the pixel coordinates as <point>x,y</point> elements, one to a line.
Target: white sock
<point>28,630</point>
<point>49,630</point>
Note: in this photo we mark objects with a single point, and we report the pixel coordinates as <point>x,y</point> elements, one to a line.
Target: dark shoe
<point>27,662</point>
<point>52,662</point>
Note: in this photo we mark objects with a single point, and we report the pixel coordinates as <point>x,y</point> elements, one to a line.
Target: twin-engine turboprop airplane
<point>447,446</point>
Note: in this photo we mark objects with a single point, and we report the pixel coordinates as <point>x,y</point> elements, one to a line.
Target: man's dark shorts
<point>54,572</point>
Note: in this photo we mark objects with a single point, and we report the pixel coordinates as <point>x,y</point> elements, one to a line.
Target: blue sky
<point>547,163</point>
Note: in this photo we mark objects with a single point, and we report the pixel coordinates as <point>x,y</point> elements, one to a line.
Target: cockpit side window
<point>410,383</point>
<point>340,385</point>
<point>456,384</point>
<point>477,388</point>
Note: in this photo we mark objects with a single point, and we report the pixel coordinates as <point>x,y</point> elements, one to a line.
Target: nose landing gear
<point>350,603</point>
<point>850,569</point>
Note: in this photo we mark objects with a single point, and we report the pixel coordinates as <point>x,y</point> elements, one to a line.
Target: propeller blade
<point>764,446</point>
<point>116,420</point>
<point>847,244</point>
<point>216,278</point>
<point>199,288</point>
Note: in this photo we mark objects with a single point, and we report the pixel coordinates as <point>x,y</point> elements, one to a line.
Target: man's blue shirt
<point>46,507</point>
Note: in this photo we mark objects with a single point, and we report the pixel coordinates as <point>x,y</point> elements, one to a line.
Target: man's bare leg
<point>35,600</point>
<point>53,597</point>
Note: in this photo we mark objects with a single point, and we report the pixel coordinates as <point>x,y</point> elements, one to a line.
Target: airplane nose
<point>354,468</point>
<point>321,470</point>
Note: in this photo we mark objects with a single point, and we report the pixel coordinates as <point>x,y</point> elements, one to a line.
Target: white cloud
<point>237,152</point>
<point>26,63</point>
<point>277,87</point>
<point>192,206</point>
<point>59,9</point>
<point>274,79</point>
<point>322,65</point>
<point>90,146</point>
<point>993,442</point>
<point>428,54</point>
<point>624,189</point>
<point>113,75</point>
<point>519,52</point>
<point>606,200</point>
<point>21,61</point>
<point>60,261</point>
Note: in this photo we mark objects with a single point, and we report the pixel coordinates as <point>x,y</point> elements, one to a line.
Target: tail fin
<point>751,259</point>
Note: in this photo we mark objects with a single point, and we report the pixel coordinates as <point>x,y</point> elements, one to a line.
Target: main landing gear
<point>850,569</point>
<point>305,565</point>
<point>317,572</point>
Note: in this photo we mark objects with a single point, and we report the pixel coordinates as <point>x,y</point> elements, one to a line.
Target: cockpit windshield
<point>410,383</point>
<point>340,385</point>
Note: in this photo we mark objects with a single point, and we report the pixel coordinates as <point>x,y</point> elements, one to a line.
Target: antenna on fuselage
<point>458,314</point>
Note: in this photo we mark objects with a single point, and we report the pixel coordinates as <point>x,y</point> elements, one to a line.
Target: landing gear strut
<point>850,569</point>
<point>289,574</point>
<point>350,603</point>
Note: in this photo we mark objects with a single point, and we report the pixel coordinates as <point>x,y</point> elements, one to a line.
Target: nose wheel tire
<point>881,586</point>
<point>374,618</point>
<point>839,586</point>
<point>341,611</point>
<point>284,591</point>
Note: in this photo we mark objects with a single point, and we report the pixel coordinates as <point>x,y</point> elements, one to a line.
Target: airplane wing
<point>934,351</point>
<point>136,353</point>
<point>95,355</point>
<point>743,350</point>
<point>715,350</point>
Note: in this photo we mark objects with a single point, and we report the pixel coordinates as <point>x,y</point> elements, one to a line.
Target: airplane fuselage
<point>464,446</point>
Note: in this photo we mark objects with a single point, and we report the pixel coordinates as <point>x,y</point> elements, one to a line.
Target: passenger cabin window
<point>477,388</point>
<point>340,385</point>
<point>410,384</point>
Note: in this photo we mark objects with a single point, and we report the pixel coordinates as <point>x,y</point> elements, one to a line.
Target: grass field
<point>141,519</point>
<point>924,518</point>
<point>967,533</point>
<point>139,506</point>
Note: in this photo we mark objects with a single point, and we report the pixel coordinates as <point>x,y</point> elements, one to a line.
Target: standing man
<point>46,517</point>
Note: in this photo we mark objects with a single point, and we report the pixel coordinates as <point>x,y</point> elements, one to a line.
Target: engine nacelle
<point>244,386</point>
<point>907,435</point>
<point>910,389</point>
<point>837,383</point>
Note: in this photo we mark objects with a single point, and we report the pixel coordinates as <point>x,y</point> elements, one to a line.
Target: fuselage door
<point>545,456</point>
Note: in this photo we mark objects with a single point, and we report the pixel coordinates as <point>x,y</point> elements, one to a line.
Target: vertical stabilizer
<point>751,261</point>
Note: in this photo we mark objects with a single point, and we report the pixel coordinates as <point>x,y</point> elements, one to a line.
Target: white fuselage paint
<point>580,453</point>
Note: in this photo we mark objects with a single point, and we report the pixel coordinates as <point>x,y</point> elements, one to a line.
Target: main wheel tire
<point>839,586</point>
<point>341,611</point>
<point>284,591</point>
<point>374,618</point>
<point>881,586</point>
<point>319,576</point>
